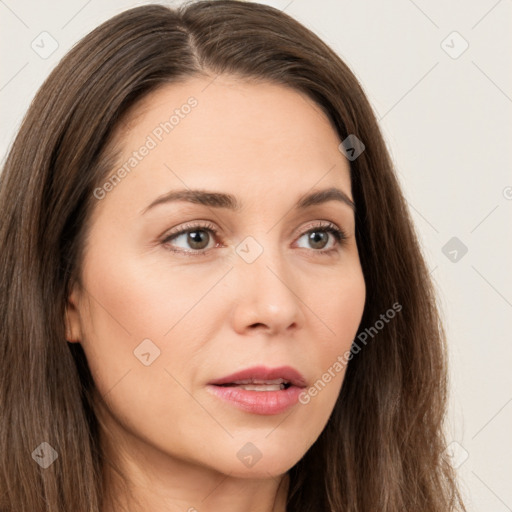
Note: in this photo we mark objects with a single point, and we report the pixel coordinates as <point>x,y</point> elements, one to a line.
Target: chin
<point>259,460</point>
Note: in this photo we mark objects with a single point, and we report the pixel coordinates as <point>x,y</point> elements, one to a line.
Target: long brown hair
<point>382,448</point>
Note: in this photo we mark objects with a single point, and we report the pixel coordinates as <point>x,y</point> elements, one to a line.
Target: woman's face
<point>259,280</point>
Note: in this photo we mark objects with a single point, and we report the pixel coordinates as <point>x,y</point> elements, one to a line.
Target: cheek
<point>340,308</point>
<point>140,332</point>
<point>136,300</point>
<point>137,313</point>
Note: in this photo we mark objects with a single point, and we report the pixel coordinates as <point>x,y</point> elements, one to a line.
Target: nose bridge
<point>261,260</point>
<point>265,293</point>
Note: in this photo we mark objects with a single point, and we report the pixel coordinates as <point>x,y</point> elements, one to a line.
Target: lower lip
<point>258,402</point>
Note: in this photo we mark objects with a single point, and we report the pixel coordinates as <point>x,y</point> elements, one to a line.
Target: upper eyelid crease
<point>329,227</point>
<point>207,226</point>
<point>228,201</point>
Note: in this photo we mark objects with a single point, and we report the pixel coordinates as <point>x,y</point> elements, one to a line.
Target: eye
<point>318,237</point>
<point>197,239</point>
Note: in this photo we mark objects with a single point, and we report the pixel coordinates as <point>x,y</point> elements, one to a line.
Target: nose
<point>266,299</point>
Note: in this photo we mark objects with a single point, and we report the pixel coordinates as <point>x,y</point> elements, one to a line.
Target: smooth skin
<point>209,311</point>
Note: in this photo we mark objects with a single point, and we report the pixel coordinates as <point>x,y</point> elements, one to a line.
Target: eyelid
<point>319,224</point>
<point>188,228</point>
<point>325,225</point>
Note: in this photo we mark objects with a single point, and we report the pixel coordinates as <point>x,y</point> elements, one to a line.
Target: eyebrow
<point>230,202</point>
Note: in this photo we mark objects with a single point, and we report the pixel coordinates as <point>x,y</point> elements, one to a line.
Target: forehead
<point>245,137</point>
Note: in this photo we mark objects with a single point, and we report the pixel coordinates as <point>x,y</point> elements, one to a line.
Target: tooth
<point>259,381</point>
<point>262,387</point>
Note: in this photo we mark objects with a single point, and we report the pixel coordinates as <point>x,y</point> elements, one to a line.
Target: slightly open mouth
<point>259,385</point>
<point>263,395</point>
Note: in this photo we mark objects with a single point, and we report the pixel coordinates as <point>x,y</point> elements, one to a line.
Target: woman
<point>213,296</point>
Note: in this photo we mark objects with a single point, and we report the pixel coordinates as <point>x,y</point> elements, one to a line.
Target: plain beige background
<point>439,79</point>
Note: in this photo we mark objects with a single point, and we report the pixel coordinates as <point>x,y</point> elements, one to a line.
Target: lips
<point>284,376</point>
<point>260,390</point>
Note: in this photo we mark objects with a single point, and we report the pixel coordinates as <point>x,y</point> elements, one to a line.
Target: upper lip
<point>260,374</point>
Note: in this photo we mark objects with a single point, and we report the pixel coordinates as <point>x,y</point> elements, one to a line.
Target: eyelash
<point>339,235</point>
